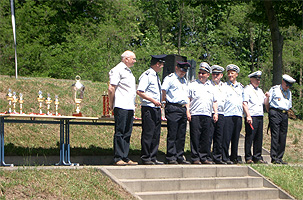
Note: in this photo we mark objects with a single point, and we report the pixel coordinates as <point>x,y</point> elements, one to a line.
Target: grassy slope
<point>59,184</point>
<point>27,139</point>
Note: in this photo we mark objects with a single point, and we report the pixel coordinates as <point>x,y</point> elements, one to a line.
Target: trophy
<point>15,100</point>
<point>21,101</point>
<point>105,105</point>
<point>56,102</point>
<point>9,97</point>
<point>40,99</point>
<point>78,90</point>
<point>48,101</point>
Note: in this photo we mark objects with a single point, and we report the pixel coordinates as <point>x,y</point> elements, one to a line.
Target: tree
<point>278,14</point>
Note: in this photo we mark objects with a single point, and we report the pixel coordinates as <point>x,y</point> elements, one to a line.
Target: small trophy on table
<point>40,99</point>
<point>15,100</point>
<point>56,102</point>
<point>48,101</point>
<point>105,105</point>
<point>21,101</point>
<point>78,91</point>
<point>9,97</point>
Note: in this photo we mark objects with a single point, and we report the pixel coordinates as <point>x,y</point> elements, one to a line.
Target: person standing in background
<point>149,90</point>
<point>122,94</point>
<point>253,102</point>
<point>202,103</point>
<point>216,128</point>
<point>233,111</point>
<point>175,98</point>
<point>277,104</point>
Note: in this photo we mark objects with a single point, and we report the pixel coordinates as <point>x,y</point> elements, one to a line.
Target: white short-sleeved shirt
<point>176,89</point>
<point>279,98</point>
<point>234,99</point>
<point>220,94</point>
<point>255,100</point>
<point>150,84</point>
<point>201,98</point>
<point>125,94</point>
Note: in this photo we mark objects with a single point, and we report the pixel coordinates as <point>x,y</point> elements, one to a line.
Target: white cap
<point>288,79</point>
<point>205,66</point>
<point>233,67</point>
<point>217,69</point>
<point>255,74</point>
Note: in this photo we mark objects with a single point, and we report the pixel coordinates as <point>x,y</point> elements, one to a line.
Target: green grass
<point>58,184</point>
<point>43,140</point>
<point>290,178</point>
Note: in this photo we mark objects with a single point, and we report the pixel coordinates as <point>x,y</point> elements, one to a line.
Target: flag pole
<point>15,40</point>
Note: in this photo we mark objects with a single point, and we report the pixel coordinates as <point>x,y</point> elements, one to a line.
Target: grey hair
<point>127,54</point>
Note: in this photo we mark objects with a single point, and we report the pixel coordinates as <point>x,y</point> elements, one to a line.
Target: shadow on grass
<point>13,150</point>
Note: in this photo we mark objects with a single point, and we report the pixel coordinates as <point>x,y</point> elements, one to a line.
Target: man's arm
<point>163,95</point>
<point>266,101</point>
<point>111,95</point>
<point>215,107</point>
<point>245,108</point>
<point>143,95</point>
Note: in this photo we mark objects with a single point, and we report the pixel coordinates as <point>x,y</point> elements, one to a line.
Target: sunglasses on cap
<point>288,84</point>
<point>257,77</point>
<point>215,73</point>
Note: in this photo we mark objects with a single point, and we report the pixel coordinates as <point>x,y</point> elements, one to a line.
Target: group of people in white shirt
<point>214,110</point>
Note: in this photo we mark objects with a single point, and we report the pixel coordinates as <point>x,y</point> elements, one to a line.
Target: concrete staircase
<point>178,182</point>
<point>195,182</point>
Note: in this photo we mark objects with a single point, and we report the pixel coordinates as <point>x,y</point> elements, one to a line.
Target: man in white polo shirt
<point>122,94</point>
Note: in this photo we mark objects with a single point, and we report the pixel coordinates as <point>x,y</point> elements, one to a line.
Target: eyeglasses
<point>202,73</point>
<point>215,74</point>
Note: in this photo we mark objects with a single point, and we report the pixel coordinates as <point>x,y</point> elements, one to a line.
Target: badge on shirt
<point>279,99</point>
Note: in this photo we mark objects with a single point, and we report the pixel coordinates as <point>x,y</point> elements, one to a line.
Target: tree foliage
<point>61,39</point>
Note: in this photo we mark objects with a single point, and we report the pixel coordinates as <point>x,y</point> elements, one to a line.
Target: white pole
<point>14,32</point>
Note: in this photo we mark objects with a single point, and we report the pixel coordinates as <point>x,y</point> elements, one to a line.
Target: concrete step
<point>178,184</point>
<point>178,171</point>
<point>224,194</point>
<point>195,182</point>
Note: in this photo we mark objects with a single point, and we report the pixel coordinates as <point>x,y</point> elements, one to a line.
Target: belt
<point>176,104</point>
<point>281,111</point>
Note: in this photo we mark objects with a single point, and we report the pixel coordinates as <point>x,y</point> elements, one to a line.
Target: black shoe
<point>220,162</point>
<point>157,162</point>
<point>249,162</point>
<point>276,162</point>
<point>236,161</point>
<point>196,162</point>
<point>229,162</point>
<point>184,162</point>
<point>283,162</point>
<point>149,162</point>
<point>207,162</point>
<point>261,162</point>
<point>172,162</point>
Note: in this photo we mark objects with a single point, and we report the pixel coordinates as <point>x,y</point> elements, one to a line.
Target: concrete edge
<point>282,193</point>
<point>116,180</point>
